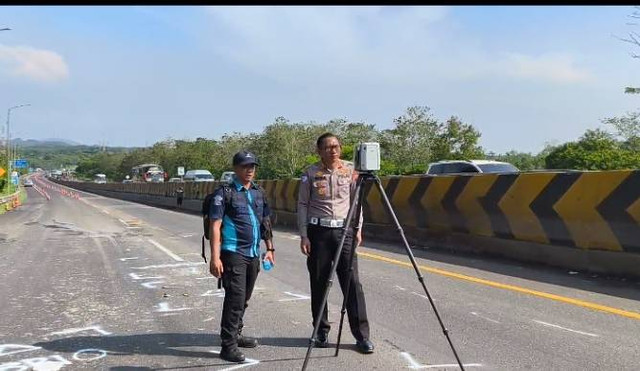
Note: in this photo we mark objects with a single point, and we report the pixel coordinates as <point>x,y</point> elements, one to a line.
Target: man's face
<point>330,150</point>
<point>245,173</point>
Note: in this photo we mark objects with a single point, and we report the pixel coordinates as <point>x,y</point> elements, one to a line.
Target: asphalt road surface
<point>90,282</point>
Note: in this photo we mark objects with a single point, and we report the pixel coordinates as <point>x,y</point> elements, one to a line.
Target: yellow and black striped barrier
<point>597,210</point>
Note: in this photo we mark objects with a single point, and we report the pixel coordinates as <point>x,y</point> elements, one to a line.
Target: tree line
<point>416,139</point>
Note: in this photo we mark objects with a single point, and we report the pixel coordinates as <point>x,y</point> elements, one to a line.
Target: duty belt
<point>326,222</point>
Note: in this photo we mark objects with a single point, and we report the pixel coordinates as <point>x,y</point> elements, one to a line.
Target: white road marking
<point>177,265</point>
<point>296,297</point>
<point>219,293</point>
<point>101,354</point>
<point>97,329</point>
<point>420,295</point>
<point>209,319</point>
<point>417,366</point>
<point>164,308</point>
<point>152,284</point>
<point>488,319</point>
<point>166,251</point>
<point>125,259</point>
<point>247,362</point>
<point>6,349</point>
<point>106,212</point>
<point>566,329</point>
<point>136,277</point>
<point>400,288</point>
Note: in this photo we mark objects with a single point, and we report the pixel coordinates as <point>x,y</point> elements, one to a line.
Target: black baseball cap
<point>244,158</point>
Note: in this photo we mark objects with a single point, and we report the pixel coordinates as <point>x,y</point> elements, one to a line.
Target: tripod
<point>354,210</point>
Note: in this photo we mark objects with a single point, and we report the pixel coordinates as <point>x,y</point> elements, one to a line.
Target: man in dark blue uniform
<point>240,217</point>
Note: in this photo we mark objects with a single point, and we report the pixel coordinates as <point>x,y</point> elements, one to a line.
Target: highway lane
<point>128,279</point>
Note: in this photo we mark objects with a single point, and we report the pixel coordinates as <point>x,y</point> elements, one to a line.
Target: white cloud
<point>395,46</point>
<point>556,68</point>
<point>36,64</point>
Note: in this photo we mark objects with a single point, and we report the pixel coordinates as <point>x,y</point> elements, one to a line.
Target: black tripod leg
<point>332,272</point>
<point>360,195</point>
<point>415,267</point>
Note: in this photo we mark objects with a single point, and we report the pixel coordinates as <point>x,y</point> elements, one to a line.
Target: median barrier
<point>578,220</point>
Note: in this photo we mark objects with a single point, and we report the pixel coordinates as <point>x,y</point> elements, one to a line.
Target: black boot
<point>232,355</point>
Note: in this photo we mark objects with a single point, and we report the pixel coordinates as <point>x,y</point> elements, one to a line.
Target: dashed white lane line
<point>488,319</point>
<point>176,265</point>
<point>166,251</point>
<point>132,258</point>
<point>417,366</point>
<point>565,329</point>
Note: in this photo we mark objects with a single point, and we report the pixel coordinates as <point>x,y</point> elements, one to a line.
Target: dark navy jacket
<point>241,222</point>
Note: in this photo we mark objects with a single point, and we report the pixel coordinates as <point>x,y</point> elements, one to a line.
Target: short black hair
<point>324,136</point>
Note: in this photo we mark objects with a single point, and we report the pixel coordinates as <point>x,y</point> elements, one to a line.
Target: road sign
<point>2,171</point>
<point>14,180</point>
<point>20,164</point>
<point>181,170</point>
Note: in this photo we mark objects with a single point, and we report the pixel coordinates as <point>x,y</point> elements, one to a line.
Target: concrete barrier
<point>578,220</point>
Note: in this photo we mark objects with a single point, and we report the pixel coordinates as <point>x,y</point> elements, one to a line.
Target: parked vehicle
<point>148,173</point>
<point>198,176</point>
<point>175,180</point>
<point>227,176</point>
<point>100,179</point>
<point>472,166</point>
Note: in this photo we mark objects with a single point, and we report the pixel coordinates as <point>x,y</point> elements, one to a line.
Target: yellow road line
<point>563,299</point>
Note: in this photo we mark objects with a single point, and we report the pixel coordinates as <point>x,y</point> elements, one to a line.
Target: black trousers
<point>238,278</point>
<point>324,243</point>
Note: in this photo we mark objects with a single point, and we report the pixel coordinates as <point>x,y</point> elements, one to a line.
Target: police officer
<point>326,191</point>
<point>239,217</point>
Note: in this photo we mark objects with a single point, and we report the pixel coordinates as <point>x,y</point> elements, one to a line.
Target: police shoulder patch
<point>304,178</point>
<point>217,200</point>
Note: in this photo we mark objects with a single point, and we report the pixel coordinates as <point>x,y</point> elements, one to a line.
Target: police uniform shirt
<point>326,193</point>
<point>241,222</point>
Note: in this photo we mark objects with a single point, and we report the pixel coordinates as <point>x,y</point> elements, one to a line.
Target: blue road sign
<point>20,164</point>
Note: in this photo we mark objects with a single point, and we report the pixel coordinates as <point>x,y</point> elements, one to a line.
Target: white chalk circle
<point>100,354</point>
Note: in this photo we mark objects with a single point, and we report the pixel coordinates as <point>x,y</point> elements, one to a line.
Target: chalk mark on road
<point>566,329</point>
<point>295,297</point>
<point>166,251</point>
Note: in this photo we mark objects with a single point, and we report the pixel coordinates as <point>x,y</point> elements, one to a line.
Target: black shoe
<point>365,346</point>
<point>247,342</point>
<point>232,355</point>
<point>322,341</point>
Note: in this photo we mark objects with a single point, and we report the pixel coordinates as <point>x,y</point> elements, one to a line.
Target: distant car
<point>175,180</point>
<point>198,176</point>
<point>127,181</point>
<point>28,183</point>
<point>472,166</point>
<point>227,176</point>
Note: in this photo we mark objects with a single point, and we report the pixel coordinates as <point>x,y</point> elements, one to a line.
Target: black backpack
<point>265,225</point>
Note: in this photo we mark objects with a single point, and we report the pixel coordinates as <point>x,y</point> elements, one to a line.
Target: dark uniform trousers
<point>238,278</point>
<point>324,243</point>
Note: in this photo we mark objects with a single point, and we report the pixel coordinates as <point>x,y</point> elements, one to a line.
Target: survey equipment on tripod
<point>367,161</point>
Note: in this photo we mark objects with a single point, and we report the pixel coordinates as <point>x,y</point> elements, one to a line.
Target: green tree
<point>627,128</point>
<point>595,150</point>
<point>456,141</point>
<point>409,146</point>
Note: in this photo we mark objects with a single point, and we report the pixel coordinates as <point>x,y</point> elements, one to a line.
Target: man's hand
<point>358,237</point>
<point>305,246</point>
<point>270,256</point>
<point>215,267</point>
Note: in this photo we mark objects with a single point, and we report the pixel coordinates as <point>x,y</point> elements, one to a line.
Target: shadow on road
<point>167,344</point>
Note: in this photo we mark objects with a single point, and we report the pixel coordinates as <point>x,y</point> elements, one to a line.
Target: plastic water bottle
<point>266,264</point>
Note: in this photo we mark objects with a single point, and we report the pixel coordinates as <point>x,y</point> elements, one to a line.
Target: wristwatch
<point>273,250</point>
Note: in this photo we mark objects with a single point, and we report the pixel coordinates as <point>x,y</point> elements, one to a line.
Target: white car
<point>28,183</point>
<point>227,176</point>
<point>472,166</point>
<point>198,176</point>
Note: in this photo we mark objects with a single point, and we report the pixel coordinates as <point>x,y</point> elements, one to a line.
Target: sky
<point>131,76</point>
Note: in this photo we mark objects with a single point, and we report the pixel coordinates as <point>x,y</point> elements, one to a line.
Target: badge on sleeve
<point>217,200</point>
<point>304,179</point>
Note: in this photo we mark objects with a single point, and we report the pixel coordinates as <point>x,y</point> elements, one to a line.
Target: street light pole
<point>9,143</point>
